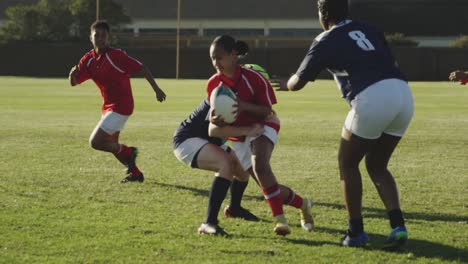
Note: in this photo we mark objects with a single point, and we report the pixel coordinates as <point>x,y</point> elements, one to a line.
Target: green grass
<point>61,201</point>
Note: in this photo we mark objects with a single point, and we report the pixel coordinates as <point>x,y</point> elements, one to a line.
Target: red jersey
<point>111,72</point>
<point>249,86</point>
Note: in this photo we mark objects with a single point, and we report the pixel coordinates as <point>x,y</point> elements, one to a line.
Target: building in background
<point>207,18</point>
<point>434,23</point>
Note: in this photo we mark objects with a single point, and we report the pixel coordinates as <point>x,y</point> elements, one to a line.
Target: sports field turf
<point>61,201</point>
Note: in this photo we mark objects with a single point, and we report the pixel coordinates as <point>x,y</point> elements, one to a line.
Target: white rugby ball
<point>222,100</point>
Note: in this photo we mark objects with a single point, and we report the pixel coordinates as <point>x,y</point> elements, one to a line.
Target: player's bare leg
<point>100,140</point>
<point>115,138</point>
<point>376,162</point>
<point>352,150</point>
<point>262,148</point>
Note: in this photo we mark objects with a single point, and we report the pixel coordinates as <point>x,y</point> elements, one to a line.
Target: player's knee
<point>225,165</point>
<point>243,177</point>
<point>347,164</point>
<point>375,168</point>
<point>348,168</point>
<point>94,143</point>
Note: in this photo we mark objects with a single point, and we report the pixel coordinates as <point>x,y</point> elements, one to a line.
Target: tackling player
<point>111,69</point>
<point>459,76</point>
<point>201,146</point>
<point>255,99</point>
<point>381,109</point>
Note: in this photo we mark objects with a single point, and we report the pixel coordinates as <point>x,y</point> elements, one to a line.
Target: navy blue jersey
<point>196,125</point>
<point>355,53</point>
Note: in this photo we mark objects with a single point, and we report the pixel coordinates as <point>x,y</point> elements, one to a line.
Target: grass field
<point>61,201</point>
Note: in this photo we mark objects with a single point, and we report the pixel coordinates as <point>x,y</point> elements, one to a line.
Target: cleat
<point>131,163</point>
<point>210,229</point>
<point>241,213</point>
<point>396,239</point>
<point>131,178</point>
<point>282,227</point>
<point>307,221</point>
<point>354,241</point>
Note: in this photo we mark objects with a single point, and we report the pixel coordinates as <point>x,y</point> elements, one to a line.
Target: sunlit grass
<point>61,201</point>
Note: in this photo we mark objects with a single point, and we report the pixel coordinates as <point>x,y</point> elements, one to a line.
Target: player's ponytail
<point>241,48</point>
<point>229,44</point>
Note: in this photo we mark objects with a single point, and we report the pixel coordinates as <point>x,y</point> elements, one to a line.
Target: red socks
<point>294,200</point>
<point>135,172</point>
<point>124,151</point>
<point>273,197</point>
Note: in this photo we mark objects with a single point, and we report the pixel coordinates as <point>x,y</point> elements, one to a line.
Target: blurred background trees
<point>58,20</point>
<point>461,42</point>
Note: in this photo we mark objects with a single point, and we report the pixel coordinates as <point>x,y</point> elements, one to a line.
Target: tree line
<point>58,20</point>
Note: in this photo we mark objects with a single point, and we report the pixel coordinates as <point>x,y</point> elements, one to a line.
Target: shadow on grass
<point>203,192</point>
<point>413,249</point>
<point>370,212</point>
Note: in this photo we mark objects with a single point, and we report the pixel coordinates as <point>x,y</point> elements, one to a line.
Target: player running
<point>381,109</point>
<point>111,69</point>
<point>255,99</point>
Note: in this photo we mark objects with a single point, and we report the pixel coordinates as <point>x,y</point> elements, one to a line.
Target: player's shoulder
<point>116,52</point>
<point>340,31</point>
<point>205,104</point>
<point>212,83</point>
<point>87,56</point>
<point>252,74</point>
<point>364,27</point>
<point>336,31</point>
<point>321,37</point>
<point>214,80</point>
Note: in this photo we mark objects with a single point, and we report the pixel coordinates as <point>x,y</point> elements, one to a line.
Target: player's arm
<point>80,73</point>
<point>72,76</point>
<point>232,131</point>
<point>295,83</point>
<point>314,61</point>
<point>260,111</point>
<point>160,95</point>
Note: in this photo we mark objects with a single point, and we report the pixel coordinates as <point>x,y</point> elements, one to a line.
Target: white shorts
<point>243,149</point>
<point>188,150</point>
<point>384,107</point>
<point>112,122</point>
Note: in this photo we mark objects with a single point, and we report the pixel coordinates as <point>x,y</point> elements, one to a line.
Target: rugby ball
<point>223,101</point>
